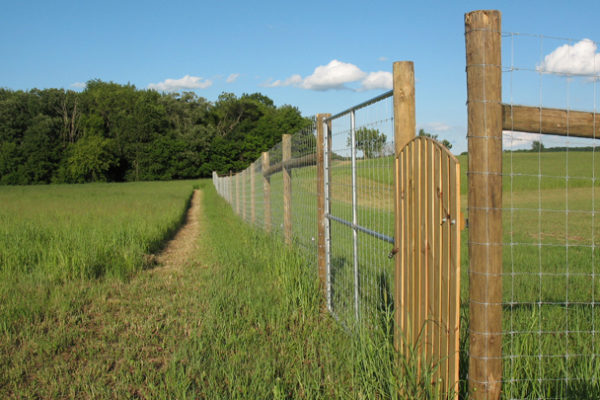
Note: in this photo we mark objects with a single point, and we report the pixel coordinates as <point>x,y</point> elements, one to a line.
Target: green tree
<point>537,146</point>
<point>444,142</point>
<point>370,141</point>
<point>91,160</point>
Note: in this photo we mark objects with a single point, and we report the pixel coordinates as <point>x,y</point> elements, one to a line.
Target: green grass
<point>51,236</point>
<point>241,319</point>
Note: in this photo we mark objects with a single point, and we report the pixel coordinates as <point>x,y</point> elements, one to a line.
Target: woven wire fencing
<point>361,216</point>
<point>360,202</point>
<point>551,314</point>
<point>258,195</point>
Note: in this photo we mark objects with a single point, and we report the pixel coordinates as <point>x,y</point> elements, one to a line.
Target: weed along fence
<point>377,211</point>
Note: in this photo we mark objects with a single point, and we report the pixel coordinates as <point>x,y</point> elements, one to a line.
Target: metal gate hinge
<point>393,252</point>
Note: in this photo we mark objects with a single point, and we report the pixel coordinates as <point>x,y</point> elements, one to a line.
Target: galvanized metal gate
<point>428,261</point>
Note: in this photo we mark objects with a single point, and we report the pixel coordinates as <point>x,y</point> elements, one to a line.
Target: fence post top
<point>479,15</point>
<point>404,63</point>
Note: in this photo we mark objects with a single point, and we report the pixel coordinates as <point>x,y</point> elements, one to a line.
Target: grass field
<point>239,319</point>
<point>550,262</point>
<point>56,235</point>
<point>82,316</point>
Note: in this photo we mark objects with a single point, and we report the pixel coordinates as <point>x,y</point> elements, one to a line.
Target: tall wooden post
<point>484,91</point>
<point>266,191</point>
<point>287,188</point>
<point>321,218</point>
<point>404,131</point>
<point>252,194</point>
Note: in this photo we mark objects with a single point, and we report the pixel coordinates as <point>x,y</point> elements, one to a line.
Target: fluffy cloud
<point>335,76</point>
<point>513,140</point>
<point>79,85</point>
<point>187,82</point>
<point>577,59</point>
<point>377,80</point>
<point>232,78</point>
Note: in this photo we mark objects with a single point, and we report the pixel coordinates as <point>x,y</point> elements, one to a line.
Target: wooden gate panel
<point>429,258</point>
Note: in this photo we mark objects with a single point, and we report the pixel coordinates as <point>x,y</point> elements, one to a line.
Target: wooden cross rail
<point>550,121</point>
<point>298,162</point>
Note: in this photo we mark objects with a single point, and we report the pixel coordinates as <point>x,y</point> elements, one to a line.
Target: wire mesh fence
<point>361,217</point>
<point>278,192</point>
<point>550,346</point>
<point>259,194</point>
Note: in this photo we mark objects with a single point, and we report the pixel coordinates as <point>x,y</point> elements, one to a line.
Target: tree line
<point>113,132</point>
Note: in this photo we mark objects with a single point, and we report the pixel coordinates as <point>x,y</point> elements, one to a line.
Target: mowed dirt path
<point>182,246</point>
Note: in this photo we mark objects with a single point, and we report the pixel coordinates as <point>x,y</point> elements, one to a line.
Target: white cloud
<point>378,80</point>
<point>577,59</point>
<point>382,58</point>
<point>79,85</point>
<point>513,140</point>
<point>232,78</point>
<point>335,76</point>
<point>436,126</point>
<point>187,82</point>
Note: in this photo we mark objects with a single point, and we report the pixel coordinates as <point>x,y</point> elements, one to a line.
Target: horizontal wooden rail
<point>299,162</point>
<point>550,121</point>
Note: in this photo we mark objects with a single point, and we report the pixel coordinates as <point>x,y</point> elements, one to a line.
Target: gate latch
<point>393,252</point>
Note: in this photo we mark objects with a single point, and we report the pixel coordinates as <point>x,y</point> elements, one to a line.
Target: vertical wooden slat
<point>454,295</point>
<point>411,260</point>
<point>436,255</point>
<point>287,188</point>
<point>430,316</point>
<point>423,170</point>
<point>266,192</point>
<point>484,96</point>
<point>445,265</point>
<point>418,265</point>
<point>400,229</point>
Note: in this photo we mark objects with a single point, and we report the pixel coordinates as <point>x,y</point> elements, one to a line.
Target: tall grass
<point>53,235</point>
<point>265,333</point>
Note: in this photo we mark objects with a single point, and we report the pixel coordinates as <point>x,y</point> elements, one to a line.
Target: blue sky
<point>272,47</point>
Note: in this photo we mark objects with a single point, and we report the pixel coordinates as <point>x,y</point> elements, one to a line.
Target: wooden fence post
<point>404,131</point>
<point>287,188</point>
<point>266,191</point>
<point>252,194</point>
<point>321,218</point>
<point>484,96</point>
